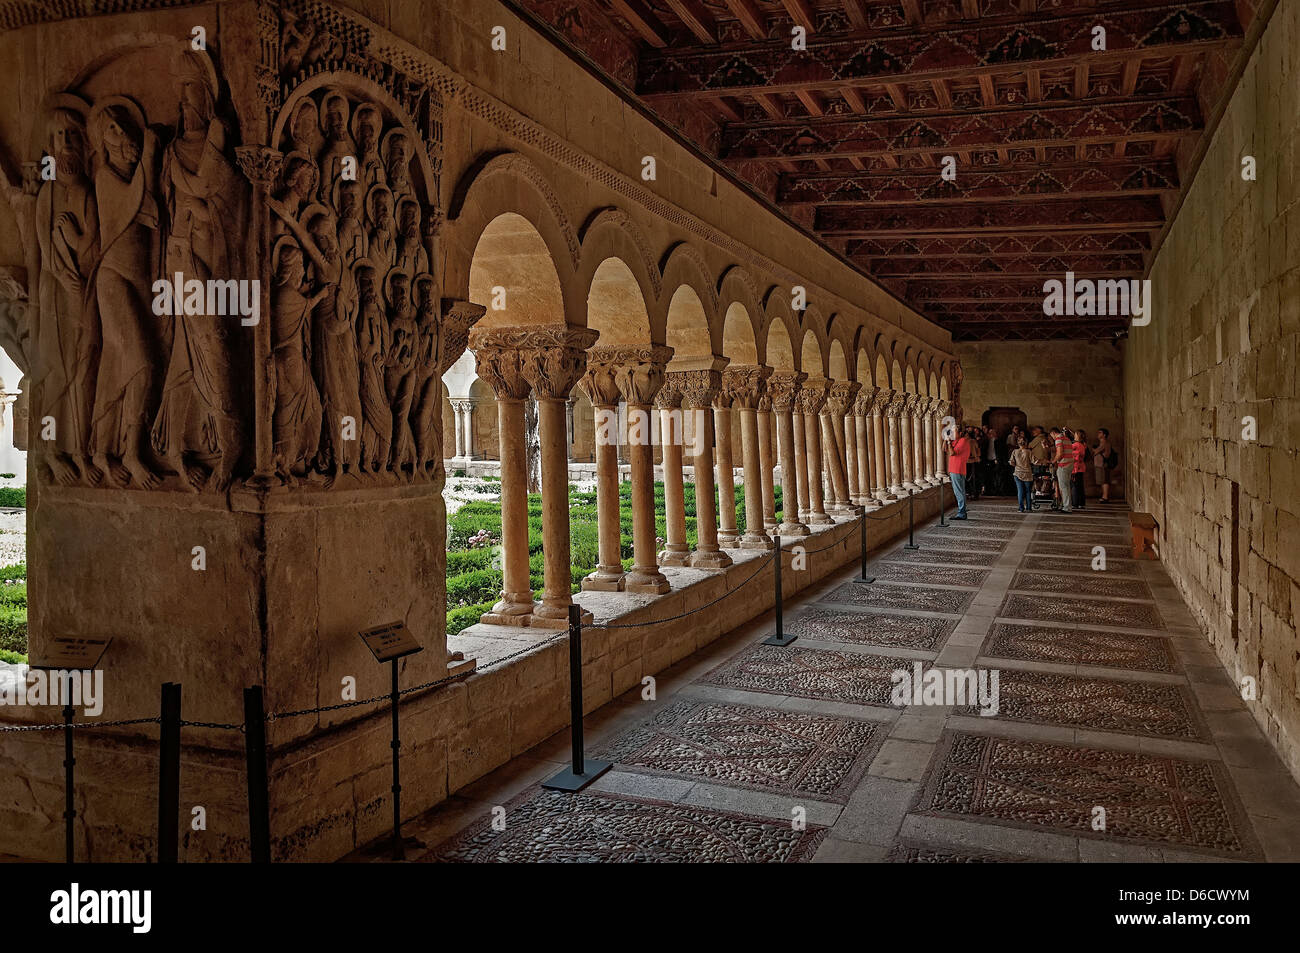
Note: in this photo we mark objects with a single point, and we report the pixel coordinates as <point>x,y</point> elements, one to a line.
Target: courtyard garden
<point>474,540</point>
<point>13,573</point>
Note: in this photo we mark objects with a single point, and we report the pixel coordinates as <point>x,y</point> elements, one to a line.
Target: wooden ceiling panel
<point>1065,157</point>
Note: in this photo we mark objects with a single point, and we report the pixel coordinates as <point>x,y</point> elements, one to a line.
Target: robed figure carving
<point>126,167</point>
<point>202,193</point>
<point>67,231</point>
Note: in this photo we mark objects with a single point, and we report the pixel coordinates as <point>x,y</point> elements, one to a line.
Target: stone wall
<point>1221,347</point>
<point>1068,383</point>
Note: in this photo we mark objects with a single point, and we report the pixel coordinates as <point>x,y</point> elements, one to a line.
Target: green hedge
<point>13,628</point>
<point>13,496</point>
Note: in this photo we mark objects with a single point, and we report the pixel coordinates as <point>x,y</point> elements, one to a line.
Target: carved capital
<point>554,359</point>
<point>500,362</point>
<point>811,397</point>
<point>669,397</point>
<point>897,405</point>
<point>839,397</point>
<point>744,384</point>
<point>783,387</point>
<point>865,400</point>
<point>637,372</point>
<point>260,164</point>
<point>697,388</point>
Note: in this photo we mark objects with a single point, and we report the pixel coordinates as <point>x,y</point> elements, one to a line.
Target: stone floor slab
<point>1158,801</point>
<point>557,827</point>
<point>801,755</point>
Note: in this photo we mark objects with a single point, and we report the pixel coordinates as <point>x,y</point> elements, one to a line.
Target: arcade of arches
<point>501,279</point>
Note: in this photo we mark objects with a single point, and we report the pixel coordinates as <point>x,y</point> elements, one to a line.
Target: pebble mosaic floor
<point>1118,735</point>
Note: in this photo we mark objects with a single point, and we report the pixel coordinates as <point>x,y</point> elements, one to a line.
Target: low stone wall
<point>330,793</point>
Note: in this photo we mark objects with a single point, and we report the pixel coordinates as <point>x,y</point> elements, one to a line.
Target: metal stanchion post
<point>169,774</point>
<point>779,638</point>
<point>69,809</point>
<point>259,795</point>
<point>911,539</point>
<point>583,771</point>
<point>941,503</point>
<point>395,698</point>
<point>863,578</point>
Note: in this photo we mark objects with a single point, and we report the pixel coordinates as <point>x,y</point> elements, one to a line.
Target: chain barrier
<point>83,725</point>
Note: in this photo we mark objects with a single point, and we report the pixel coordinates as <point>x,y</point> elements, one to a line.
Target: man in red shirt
<point>958,454</point>
<point>1063,461</point>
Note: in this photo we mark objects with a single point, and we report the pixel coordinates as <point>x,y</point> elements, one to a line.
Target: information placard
<point>67,652</point>
<point>390,640</point>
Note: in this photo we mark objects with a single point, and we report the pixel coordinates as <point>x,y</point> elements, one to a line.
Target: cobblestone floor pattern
<point>1110,699</point>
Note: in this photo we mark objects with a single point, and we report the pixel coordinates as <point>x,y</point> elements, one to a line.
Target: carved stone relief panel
<point>356,318</point>
<point>140,277</point>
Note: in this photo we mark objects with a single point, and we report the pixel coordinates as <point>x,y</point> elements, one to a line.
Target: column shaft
<point>608,576</point>
<point>644,575</point>
<point>755,536</point>
<point>516,603</point>
<point>816,507</point>
<point>727,535</point>
<point>707,553</point>
<point>556,599</point>
<point>675,551</point>
<point>765,466</point>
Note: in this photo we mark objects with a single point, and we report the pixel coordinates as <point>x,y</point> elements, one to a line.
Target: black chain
<point>83,725</point>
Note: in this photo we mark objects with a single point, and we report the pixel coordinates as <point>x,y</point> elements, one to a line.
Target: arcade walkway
<point>1110,702</point>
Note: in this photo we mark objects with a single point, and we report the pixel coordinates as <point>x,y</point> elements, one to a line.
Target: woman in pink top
<point>1080,449</point>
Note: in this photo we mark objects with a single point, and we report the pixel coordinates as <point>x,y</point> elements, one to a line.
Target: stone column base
<point>819,519</point>
<point>650,581</point>
<point>545,622</point>
<point>728,540</point>
<point>755,541</point>
<point>792,529</point>
<point>715,559</point>
<point>603,580</point>
<point>675,557</point>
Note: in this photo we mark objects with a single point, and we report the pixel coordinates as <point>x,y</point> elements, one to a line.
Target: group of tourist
<point>1043,466</point>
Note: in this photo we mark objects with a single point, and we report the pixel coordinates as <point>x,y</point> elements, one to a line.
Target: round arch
<point>616,306</point>
<point>512,275</point>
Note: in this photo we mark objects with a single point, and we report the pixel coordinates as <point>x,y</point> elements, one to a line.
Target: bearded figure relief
<point>399,368</point>
<point>125,178</point>
<point>339,148</point>
<point>427,383</point>
<point>67,223</point>
<point>372,350</point>
<point>202,195</point>
<point>297,416</point>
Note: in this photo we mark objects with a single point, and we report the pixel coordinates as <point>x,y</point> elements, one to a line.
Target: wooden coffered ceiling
<point>1066,157</point>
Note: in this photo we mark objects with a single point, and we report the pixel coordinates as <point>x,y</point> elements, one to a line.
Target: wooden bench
<point>1144,527</point>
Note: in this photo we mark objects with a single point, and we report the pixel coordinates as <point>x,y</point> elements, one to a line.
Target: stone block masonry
<point>1221,348</point>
